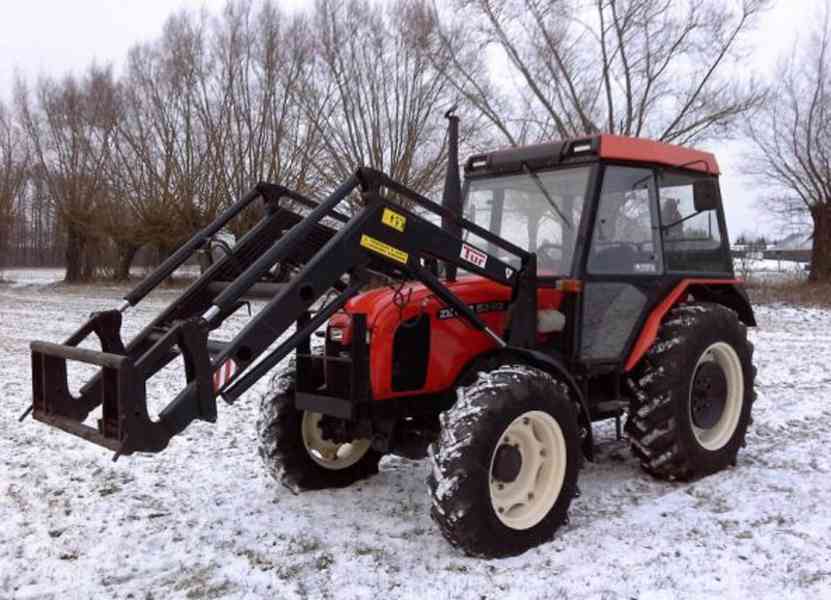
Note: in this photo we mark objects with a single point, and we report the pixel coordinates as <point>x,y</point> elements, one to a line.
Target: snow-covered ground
<point>202,520</point>
<point>23,277</point>
<point>18,277</point>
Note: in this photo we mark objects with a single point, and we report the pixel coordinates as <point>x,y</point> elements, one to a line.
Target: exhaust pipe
<point>452,197</point>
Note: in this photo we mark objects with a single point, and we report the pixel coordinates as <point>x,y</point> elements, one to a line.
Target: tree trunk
<point>90,261</point>
<point>5,246</point>
<point>81,256</point>
<point>74,255</point>
<point>821,250</point>
<point>126,254</point>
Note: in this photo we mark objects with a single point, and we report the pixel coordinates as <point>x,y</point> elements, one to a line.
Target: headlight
<point>336,334</point>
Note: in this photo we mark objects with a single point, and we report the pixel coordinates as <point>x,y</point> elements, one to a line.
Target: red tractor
<point>568,282</point>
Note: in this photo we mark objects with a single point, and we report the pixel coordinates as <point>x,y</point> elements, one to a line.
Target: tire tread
<point>657,385</point>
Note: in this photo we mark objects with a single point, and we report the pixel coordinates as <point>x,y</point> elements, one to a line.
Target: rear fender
<point>732,296</point>
<point>728,292</point>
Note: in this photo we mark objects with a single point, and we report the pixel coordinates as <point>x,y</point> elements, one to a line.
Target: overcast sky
<point>54,36</point>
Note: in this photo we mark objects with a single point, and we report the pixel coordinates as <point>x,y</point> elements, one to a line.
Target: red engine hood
<point>453,343</point>
<point>470,289</point>
<point>467,288</point>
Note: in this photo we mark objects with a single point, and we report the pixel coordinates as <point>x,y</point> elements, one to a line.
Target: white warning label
<point>474,256</point>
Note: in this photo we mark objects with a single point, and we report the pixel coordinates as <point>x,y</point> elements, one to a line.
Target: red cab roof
<point>603,146</point>
<point>618,147</point>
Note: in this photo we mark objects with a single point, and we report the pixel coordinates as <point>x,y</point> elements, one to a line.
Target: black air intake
<point>452,198</point>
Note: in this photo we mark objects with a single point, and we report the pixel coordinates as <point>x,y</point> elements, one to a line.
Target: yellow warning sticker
<point>393,219</point>
<point>384,249</point>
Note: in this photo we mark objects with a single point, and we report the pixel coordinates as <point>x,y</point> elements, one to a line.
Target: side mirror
<point>705,195</point>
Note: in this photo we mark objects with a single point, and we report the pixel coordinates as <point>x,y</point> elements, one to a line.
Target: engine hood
<point>468,288</point>
<point>417,298</point>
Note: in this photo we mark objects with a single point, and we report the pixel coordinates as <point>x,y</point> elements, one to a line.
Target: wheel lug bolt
<point>542,452</point>
<point>530,496</point>
<point>501,510</point>
<point>500,486</point>
<point>526,420</point>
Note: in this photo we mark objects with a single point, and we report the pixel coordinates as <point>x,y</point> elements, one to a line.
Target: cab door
<point>622,266</point>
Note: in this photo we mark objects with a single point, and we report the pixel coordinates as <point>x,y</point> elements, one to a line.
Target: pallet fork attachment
<point>328,250</point>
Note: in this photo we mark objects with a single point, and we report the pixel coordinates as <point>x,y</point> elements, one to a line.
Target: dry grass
<point>802,293</point>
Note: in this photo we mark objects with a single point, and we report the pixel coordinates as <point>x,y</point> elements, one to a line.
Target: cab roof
<point>601,147</point>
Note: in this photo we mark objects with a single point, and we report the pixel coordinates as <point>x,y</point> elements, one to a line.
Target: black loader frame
<point>330,254</point>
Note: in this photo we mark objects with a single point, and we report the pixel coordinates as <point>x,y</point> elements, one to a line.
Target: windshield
<point>539,212</point>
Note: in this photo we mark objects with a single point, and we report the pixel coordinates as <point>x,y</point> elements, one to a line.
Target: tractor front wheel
<point>506,462</point>
<point>297,453</point>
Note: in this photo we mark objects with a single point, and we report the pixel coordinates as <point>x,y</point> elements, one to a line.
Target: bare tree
<point>791,139</point>
<point>265,60</point>
<point>665,69</point>
<point>375,97</point>
<point>38,238</point>
<point>255,124</point>
<point>13,175</point>
<point>162,167</point>
<point>69,124</point>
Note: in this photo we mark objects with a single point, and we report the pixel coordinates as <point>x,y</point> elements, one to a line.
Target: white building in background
<point>795,247</point>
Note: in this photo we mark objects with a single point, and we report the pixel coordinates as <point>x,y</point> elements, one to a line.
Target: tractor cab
<point>642,215</point>
<point>621,220</point>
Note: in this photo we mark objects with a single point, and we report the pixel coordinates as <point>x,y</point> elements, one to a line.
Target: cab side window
<point>691,239</point>
<point>623,240</point>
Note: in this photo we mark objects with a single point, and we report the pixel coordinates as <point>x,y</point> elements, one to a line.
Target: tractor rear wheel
<point>692,394</point>
<point>298,454</point>
<point>506,462</point>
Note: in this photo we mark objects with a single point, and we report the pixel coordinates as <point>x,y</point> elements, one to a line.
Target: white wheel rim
<point>526,500</point>
<point>326,453</point>
<point>717,436</point>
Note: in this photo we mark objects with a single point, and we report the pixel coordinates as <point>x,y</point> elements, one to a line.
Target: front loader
<point>565,283</point>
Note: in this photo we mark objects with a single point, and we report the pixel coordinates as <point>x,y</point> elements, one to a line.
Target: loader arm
<point>382,237</point>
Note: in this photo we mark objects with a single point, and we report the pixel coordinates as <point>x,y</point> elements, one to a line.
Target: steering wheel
<point>550,255</point>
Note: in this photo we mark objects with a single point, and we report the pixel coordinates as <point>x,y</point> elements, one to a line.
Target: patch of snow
<point>445,485</point>
<point>662,347</point>
<point>204,520</point>
<point>690,308</point>
<point>650,376</point>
